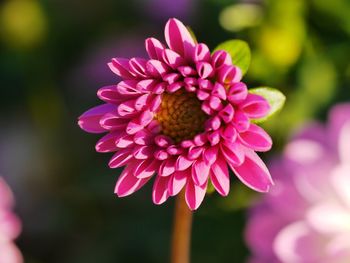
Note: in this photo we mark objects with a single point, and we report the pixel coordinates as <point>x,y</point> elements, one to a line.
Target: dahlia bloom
<point>10,227</point>
<point>182,116</point>
<point>306,216</point>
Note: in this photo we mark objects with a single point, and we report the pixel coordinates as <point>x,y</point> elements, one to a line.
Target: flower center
<point>180,115</point>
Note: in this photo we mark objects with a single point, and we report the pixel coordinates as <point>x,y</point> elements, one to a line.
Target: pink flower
<point>306,217</point>
<point>10,227</point>
<point>182,116</point>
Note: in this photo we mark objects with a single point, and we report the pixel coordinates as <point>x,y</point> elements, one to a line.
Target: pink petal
<point>167,167</point>
<point>120,66</point>
<point>219,91</point>
<point>146,168</point>
<point>227,113</point>
<point>138,67</point>
<point>120,158</point>
<point>110,94</point>
<point>173,59</point>
<point>154,48</point>
<point>157,68</point>
<point>220,177</point>
<point>9,253</point>
<point>233,153</point>
<point>215,103</point>
<point>200,172</point>
<point>229,133</point>
<point>210,154</point>
<point>160,191</point>
<point>113,122</point>
<point>194,194</point>
<point>204,69</point>
<point>178,38</point>
<point>256,138</point>
<point>90,120</point>
<point>129,88</point>
<point>229,74</point>
<point>253,172</point>
<point>182,163</point>
<point>202,95</point>
<point>220,58</point>
<point>237,93</point>
<point>201,53</point>
<point>107,142</point>
<point>142,152</point>
<point>177,182</point>
<point>255,106</point>
<point>240,121</point>
<point>194,152</point>
<point>127,183</point>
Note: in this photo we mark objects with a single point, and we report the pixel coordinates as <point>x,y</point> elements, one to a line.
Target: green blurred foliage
<point>64,190</point>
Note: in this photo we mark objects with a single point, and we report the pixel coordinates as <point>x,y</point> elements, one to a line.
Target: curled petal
<point>227,113</point>
<point>182,163</point>
<point>229,74</point>
<point>178,38</point>
<point>201,53</point>
<point>204,69</point>
<point>233,153</point>
<point>120,158</point>
<point>237,93</point>
<point>113,122</point>
<point>127,183</point>
<point>220,58</point>
<point>253,172</point>
<point>154,48</point>
<point>160,191</point>
<point>200,172</point>
<point>255,106</point>
<point>142,152</point>
<point>220,177</point>
<point>107,142</point>
<point>146,168</point>
<point>110,94</point>
<point>157,68</point>
<point>120,66</point>
<point>129,88</point>
<point>167,167</point>
<point>173,59</point>
<point>210,154</point>
<point>241,121</point>
<point>90,120</point>
<point>138,67</point>
<point>229,133</point>
<point>256,138</point>
<point>194,194</point>
<point>219,91</point>
<point>177,181</point>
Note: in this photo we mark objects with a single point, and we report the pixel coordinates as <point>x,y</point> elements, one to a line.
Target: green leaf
<point>274,97</point>
<point>239,51</point>
<point>210,188</point>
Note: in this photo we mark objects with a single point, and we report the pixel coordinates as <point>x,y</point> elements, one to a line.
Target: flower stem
<point>181,239</point>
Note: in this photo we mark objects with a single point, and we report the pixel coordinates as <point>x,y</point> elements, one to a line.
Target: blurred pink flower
<point>184,115</point>
<point>10,227</point>
<point>306,216</point>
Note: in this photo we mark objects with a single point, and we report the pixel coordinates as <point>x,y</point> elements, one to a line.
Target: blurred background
<point>53,56</point>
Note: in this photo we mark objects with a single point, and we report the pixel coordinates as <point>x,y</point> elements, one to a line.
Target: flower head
<point>306,217</point>
<point>10,227</point>
<point>183,117</point>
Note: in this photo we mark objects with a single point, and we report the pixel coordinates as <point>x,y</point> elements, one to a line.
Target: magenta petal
<point>220,177</point>
<point>146,168</point>
<point>220,58</point>
<point>253,172</point>
<point>210,154</point>
<point>241,121</point>
<point>256,138</point>
<point>194,194</point>
<point>233,153</point>
<point>107,142</point>
<point>124,141</point>
<point>120,66</point>
<point>219,91</point>
<point>142,152</point>
<point>90,120</point>
<point>182,163</point>
<point>157,68</point>
<point>110,94</point>
<point>201,53</point>
<point>200,172</point>
<point>177,181</point>
<point>120,158</point>
<point>204,69</point>
<point>113,122</point>
<point>129,88</point>
<point>227,113</point>
<point>237,93</point>
<point>127,183</point>
<point>160,191</point>
<point>178,38</point>
<point>167,167</point>
<point>154,48</point>
<point>229,74</point>
<point>255,106</point>
<point>194,152</point>
<point>229,133</point>
<point>138,67</point>
<point>173,59</point>
<point>202,95</point>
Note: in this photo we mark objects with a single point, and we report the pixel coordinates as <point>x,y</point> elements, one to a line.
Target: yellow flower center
<point>180,115</point>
